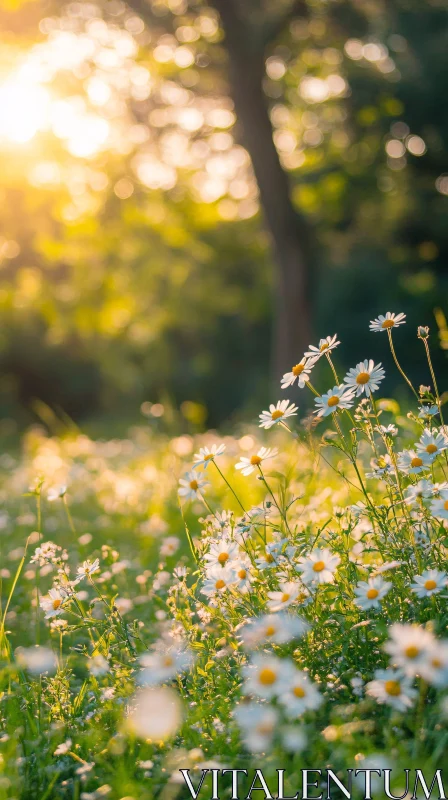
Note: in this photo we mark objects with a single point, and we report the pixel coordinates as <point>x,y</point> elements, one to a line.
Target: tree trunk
<point>290,233</point>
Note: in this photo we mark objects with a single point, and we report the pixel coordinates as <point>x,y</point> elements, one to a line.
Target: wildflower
<point>206,455</point>
<point>247,465</point>
<point>88,568</point>
<point>271,556</point>
<point>365,377</point>
<point>289,593</point>
<point>370,593</point>
<point>155,713</point>
<point>300,694</point>
<point>319,566</point>
<point>407,646</point>
<point>428,411</point>
<point>63,748</point>
<point>386,323</point>
<point>170,546</point>
<point>381,466</point>
<point>338,397</point>
<point>218,580</point>
<point>434,668</point>
<point>272,628</point>
<point>264,676</point>
<point>387,430</point>
<point>300,372</point>
<point>56,492</point>
<point>37,660</point>
<point>98,665</point>
<point>294,739</point>
<point>242,567</point>
<point>221,553</point>
<point>430,582</point>
<point>277,413</point>
<point>162,664</point>
<point>324,346</point>
<point>45,554</point>
<point>412,463</point>
<point>258,724</point>
<point>439,504</point>
<point>191,485</point>
<point>419,492</point>
<point>432,443</point>
<point>52,603</point>
<point>391,687</point>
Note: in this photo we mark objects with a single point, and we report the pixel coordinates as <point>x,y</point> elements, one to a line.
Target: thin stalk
<point>401,371</point>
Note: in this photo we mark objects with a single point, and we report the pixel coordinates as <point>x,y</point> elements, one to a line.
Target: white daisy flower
<point>88,568</point>
<point>271,555</point>
<point>435,666</point>
<point>428,411</point>
<point>288,593</point>
<point>265,676</point>
<point>37,660</point>
<point>300,693</point>
<point>272,628</point>
<point>206,455</point>
<point>218,580</point>
<point>384,323</point>
<point>412,463</point>
<point>247,465</point>
<point>319,566</point>
<point>365,377</point>
<point>162,664</point>
<point>408,646</point>
<point>221,553</point>
<point>277,413</point>
<point>52,603</point>
<point>432,442</point>
<point>242,567</point>
<point>387,430</point>
<point>56,492</point>
<point>191,485</point>
<point>392,688</point>
<point>370,593</point>
<point>258,724</point>
<point>324,346</point>
<point>98,665</point>
<point>431,581</point>
<point>300,372</point>
<point>439,504</point>
<point>381,466</point>
<point>338,397</point>
<point>416,494</point>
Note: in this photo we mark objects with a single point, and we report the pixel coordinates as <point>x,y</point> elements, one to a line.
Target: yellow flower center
<point>220,584</point>
<point>416,462</point>
<point>267,676</point>
<point>223,557</point>
<point>255,460</point>
<point>242,574</point>
<point>298,369</point>
<point>436,663</point>
<point>194,485</point>
<point>56,603</point>
<point>270,630</point>
<point>277,414</point>
<point>445,505</point>
<point>264,728</point>
<point>298,691</point>
<point>269,558</point>
<point>431,448</point>
<point>319,566</point>
<point>393,688</point>
<point>388,323</point>
<point>412,651</point>
<point>285,597</point>
<point>168,661</point>
<point>333,401</point>
<point>324,346</point>
<point>372,594</point>
<point>363,378</point>
<point>429,585</point>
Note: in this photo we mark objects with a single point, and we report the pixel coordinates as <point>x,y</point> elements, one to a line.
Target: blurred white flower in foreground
<point>154,714</point>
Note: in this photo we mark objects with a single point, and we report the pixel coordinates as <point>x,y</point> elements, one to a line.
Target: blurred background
<point>193,192</point>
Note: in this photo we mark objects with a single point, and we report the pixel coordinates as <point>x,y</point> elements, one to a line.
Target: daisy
<point>98,665</point>
<point>385,323</point>
<point>435,667</point>
<point>56,492</point>
<point>289,592</point>
<point>381,466</point>
<point>369,593</point>
<point>247,465</point>
<point>277,413</point>
<point>412,463</point>
<point>271,556</point>
<point>324,346</point>
<point>218,580</point>
<point>387,430</point>
<point>301,693</point>
<point>338,397</point>
<point>416,494</point>
<point>428,411</point>
<point>365,377</point>
<point>242,568</point>
<point>300,372</point>
<point>191,485</point>
<point>430,582</point>
<point>206,455</point>
<point>264,676</point>
<point>393,688</point>
<point>319,566</point>
<point>408,646</point>
<point>162,664</point>
<point>88,568</point>
<point>272,628</point>
<point>258,724</point>
<point>221,553</point>
<point>439,505</point>
<point>52,603</point>
<point>432,443</point>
